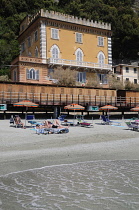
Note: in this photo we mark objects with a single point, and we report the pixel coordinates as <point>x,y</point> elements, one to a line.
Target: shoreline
<point>22,149</point>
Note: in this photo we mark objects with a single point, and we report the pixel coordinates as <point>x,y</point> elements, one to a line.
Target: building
<point>50,39</point>
<point>126,72</point>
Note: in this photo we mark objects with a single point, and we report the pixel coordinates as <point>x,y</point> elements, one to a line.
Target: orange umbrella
<point>74,107</point>
<point>135,109</point>
<point>26,103</point>
<point>107,108</point>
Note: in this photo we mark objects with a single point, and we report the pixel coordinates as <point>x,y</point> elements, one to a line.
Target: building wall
<point>129,74</point>
<point>49,89</point>
<point>68,45</point>
<point>43,22</point>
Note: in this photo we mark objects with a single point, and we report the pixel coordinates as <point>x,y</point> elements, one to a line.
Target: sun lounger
<point>52,130</point>
<point>86,125</point>
<point>34,122</point>
<point>132,125</point>
<point>62,117</point>
<point>106,121</point>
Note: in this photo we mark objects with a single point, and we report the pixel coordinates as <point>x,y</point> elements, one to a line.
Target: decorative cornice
<point>65,18</point>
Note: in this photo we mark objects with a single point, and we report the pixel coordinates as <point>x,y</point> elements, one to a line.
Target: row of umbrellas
<point>107,108</point>
<point>75,107</point>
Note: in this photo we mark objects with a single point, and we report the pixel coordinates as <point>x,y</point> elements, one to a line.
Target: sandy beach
<point>22,149</point>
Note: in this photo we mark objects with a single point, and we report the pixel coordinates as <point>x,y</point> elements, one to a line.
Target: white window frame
<point>50,70</point>
<point>127,69</point>
<point>54,33</point>
<point>79,37</point>
<point>135,70</point>
<point>135,81</point>
<point>103,78</point>
<point>101,58</point>
<point>79,56</point>
<point>100,41</point>
<point>55,53</point>
<point>32,74</point>
<point>81,77</point>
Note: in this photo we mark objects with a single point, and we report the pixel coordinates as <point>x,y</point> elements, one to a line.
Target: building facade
<point>50,39</point>
<point>125,72</point>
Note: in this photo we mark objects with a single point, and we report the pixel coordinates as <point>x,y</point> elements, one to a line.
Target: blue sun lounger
<point>107,121</point>
<point>51,130</point>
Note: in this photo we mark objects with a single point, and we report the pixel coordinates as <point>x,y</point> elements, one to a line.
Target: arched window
<point>55,52</point>
<point>33,74</point>
<point>36,52</point>
<point>79,56</point>
<point>101,58</point>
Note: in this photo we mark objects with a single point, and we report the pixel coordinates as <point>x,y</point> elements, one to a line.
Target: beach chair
<point>51,130</point>
<point>62,117</point>
<point>11,120</point>
<point>86,125</point>
<point>132,126</point>
<point>107,121</point>
<point>30,117</point>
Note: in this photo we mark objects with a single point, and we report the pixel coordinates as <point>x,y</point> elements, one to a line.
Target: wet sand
<point>22,149</point>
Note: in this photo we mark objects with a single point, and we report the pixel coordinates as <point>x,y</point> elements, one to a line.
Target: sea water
<point>96,185</point>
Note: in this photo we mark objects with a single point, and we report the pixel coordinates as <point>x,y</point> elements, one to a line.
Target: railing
<point>79,64</point>
<point>65,99</point>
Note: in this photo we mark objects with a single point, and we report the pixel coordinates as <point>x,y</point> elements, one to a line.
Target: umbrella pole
<point>26,115</point>
<point>74,117</point>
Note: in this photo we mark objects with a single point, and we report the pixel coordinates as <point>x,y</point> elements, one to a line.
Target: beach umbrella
<point>135,109</point>
<point>108,108</point>
<point>26,103</point>
<point>74,107</point>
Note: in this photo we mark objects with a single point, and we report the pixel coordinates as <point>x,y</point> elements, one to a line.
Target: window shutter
<point>84,76</point>
<point>27,74</point>
<point>37,75</point>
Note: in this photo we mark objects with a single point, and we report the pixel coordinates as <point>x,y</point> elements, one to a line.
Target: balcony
<point>79,64</point>
<point>64,62</point>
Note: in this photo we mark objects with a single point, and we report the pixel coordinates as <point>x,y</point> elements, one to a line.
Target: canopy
<point>26,103</point>
<point>135,109</point>
<point>74,107</point>
<point>108,108</point>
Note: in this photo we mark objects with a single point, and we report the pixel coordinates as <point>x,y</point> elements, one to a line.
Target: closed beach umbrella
<point>26,103</point>
<point>107,108</point>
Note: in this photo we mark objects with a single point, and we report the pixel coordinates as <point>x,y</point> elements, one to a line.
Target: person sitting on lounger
<point>55,124</point>
<point>18,121</point>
